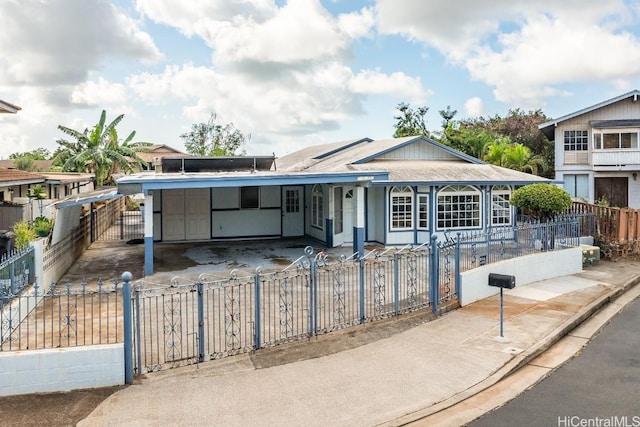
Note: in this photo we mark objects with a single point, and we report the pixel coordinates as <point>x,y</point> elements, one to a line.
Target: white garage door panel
<point>173,215</point>
<point>198,214</point>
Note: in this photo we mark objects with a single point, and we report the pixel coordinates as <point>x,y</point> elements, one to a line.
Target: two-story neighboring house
<point>597,151</point>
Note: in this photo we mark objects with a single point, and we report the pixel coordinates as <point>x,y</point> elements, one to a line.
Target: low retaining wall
<point>61,369</point>
<point>527,269</point>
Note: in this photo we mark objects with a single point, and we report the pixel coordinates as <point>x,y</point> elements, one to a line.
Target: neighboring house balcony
<point>624,159</point>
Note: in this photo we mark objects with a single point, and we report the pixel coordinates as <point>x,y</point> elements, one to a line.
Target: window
<point>292,201</point>
<point>458,207</point>
<point>401,208</point>
<point>500,207</point>
<point>576,140</point>
<point>338,222</point>
<point>577,185</point>
<point>317,207</point>
<point>614,139</point>
<point>423,211</point>
<point>249,197</point>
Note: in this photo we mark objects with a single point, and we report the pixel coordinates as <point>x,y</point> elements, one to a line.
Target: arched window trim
<point>459,207</point>
<point>401,208</point>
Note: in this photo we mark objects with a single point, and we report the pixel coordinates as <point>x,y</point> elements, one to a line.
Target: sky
<point>301,72</point>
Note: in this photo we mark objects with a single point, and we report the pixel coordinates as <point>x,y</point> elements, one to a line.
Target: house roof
<point>157,151</point>
<point>410,160</point>
<point>548,127</point>
<point>7,107</point>
<point>40,165</point>
<point>18,177</point>
<point>67,177</point>
<point>414,172</point>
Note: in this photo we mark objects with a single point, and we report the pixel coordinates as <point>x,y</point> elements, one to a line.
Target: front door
<point>347,212</point>
<point>614,190</point>
<point>292,212</point>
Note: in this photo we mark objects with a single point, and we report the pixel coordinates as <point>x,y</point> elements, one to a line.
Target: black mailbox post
<point>502,281</point>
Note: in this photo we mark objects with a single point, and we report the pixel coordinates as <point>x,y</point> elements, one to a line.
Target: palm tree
<point>496,152</point>
<point>519,157</point>
<point>99,151</point>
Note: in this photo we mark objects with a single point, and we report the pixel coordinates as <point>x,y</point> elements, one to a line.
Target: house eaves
<point>7,107</point>
<point>140,183</point>
<point>548,127</point>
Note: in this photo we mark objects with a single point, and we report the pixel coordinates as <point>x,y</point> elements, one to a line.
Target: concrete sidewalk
<point>390,381</point>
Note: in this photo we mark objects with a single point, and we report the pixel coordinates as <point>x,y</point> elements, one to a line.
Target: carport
<point>239,205</point>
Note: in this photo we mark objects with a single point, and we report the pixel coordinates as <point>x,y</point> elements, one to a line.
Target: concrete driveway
<point>108,260</point>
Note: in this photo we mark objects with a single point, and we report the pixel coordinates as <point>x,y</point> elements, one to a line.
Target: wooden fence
<point>616,230</point>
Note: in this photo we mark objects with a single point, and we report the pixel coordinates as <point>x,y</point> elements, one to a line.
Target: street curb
<point>520,360</point>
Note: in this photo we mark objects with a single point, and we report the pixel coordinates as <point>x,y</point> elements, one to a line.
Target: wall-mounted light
<point>10,190</point>
<point>634,175</point>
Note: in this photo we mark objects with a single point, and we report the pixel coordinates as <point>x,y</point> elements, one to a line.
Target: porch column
<point>358,228</point>
<point>148,233</point>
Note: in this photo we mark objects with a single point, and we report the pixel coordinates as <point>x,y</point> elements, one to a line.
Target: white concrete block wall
<point>527,269</point>
<point>61,369</point>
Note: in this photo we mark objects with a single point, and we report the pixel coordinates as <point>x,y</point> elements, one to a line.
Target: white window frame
<point>317,207</point>
<point>500,206</point>
<point>463,206</point>
<point>401,208</point>
<point>423,209</point>
<point>599,137</point>
<point>576,140</point>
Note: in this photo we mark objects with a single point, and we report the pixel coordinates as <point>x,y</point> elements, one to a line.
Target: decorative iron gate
<point>213,317</point>
<point>123,225</point>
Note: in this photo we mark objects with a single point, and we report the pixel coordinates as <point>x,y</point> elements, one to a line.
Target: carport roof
<point>89,197</point>
<point>144,181</point>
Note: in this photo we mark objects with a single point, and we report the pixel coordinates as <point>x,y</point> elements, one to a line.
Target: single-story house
<point>392,192</point>
<point>597,151</point>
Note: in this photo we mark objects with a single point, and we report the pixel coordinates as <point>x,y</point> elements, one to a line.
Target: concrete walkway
<point>391,381</point>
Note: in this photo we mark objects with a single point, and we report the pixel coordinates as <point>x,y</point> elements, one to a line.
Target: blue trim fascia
<point>446,148</point>
<point>198,181</point>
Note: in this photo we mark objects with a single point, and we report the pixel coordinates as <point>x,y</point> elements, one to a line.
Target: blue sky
<point>301,72</point>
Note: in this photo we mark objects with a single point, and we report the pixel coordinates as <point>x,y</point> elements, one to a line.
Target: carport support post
<point>358,229</point>
<point>128,328</point>
<point>148,234</point>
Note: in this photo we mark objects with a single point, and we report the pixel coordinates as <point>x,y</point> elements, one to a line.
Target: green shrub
<point>541,201</point>
<point>42,226</point>
<point>24,234</point>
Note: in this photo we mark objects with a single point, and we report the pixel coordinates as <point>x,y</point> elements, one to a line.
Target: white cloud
<point>398,84</point>
<point>524,49</point>
<point>474,107</point>
<point>99,93</point>
<point>61,42</point>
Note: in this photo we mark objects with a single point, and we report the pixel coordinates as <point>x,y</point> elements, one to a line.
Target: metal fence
<point>186,322</point>
<point>124,225</point>
<point>62,316</point>
<point>16,272</point>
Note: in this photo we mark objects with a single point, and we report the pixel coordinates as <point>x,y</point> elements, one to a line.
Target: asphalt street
<point>598,387</point>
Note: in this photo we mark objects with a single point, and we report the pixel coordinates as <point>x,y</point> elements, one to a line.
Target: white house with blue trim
<point>391,192</point>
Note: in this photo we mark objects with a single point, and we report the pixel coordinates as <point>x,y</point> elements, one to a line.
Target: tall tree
<point>410,122</point>
<point>213,140</point>
<point>99,151</point>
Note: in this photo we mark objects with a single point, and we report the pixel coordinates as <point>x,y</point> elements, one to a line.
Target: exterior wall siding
<point>419,151</point>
